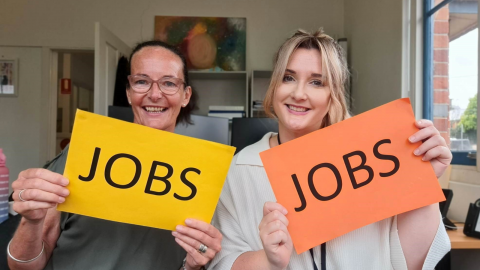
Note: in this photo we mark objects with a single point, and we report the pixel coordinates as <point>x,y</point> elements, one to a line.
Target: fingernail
<point>61,199</point>
<point>179,228</point>
<point>416,152</point>
<point>188,221</point>
<point>284,211</point>
<point>66,192</point>
<point>423,158</point>
<point>412,139</point>
<point>65,182</point>
<point>175,234</point>
<point>420,122</point>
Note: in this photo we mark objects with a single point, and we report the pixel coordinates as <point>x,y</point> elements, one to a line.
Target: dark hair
<point>185,112</point>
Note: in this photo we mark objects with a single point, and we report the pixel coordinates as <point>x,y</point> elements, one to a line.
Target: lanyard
<point>313,259</point>
<point>323,247</point>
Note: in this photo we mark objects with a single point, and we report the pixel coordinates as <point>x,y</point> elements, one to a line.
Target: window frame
<point>468,158</point>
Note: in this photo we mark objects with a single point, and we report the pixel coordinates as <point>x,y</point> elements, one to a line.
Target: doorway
<point>75,84</point>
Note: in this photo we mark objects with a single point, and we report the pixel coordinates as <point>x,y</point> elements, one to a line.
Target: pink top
<point>3,158</point>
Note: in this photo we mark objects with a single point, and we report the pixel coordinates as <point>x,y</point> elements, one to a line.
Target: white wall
<point>374,32</point>
<point>21,131</point>
<point>373,29</point>
<point>70,23</point>
<point>465,183</point>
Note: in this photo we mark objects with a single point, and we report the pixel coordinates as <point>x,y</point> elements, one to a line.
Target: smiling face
<point>302,99</point>
<point>154,108</point>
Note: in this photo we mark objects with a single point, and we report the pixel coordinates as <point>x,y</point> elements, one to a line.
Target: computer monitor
<point>446,204</point>
<point>444,209</point>
<point>246,131</point>
<point>121,113</point>
<point>214,129</point>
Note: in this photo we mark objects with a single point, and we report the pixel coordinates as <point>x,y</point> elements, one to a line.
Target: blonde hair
<point>334,68</point>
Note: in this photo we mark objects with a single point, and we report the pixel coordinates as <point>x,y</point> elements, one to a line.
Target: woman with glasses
<point>161,97</point>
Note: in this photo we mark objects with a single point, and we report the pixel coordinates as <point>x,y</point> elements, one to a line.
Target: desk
<point>460,240</point>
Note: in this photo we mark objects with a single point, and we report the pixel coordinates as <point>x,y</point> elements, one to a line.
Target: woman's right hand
<point>43,189</point>
<point>275,237</point>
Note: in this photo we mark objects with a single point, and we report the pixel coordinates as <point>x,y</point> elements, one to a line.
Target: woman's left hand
<point>434,148</point>
<point>192,236</point>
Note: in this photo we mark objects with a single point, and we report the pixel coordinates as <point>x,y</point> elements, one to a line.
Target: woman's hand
<point>275,237</point>
<point>192,236</point>
<point>40,190</point>
<point>434,148</point>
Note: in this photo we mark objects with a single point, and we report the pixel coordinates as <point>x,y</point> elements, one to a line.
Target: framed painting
<point>208,43</point>
<point>8,77</point>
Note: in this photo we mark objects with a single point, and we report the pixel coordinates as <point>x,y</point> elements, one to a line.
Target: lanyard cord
<point>313,259</point>
<point>323,247</point>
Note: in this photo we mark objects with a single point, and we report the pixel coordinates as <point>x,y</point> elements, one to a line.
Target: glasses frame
<point>154,81</point>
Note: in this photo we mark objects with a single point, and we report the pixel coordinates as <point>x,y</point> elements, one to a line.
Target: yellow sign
<point>134,174</point>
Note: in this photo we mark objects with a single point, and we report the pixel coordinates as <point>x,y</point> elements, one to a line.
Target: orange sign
<point>351,174</point>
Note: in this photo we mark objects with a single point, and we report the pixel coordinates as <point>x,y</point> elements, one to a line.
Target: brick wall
<point>441,101</point>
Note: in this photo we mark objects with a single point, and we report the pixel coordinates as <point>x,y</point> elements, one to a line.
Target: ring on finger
<point>202,249</point>
<point>20,195</point>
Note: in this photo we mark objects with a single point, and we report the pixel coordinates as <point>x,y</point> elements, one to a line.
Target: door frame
<point>106,43</point>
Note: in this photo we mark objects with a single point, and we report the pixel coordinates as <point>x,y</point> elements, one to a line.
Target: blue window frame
<point>459,157</point>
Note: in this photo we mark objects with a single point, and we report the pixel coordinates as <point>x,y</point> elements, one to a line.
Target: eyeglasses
<point>142,84</point>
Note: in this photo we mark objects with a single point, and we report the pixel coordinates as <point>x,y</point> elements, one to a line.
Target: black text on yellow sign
<point>138,170</point>
<point>134,174</point>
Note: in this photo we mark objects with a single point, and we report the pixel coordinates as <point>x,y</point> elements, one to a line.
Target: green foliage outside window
<point>469,117</point>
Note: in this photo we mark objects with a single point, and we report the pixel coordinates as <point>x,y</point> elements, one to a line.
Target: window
<point>451,74</point>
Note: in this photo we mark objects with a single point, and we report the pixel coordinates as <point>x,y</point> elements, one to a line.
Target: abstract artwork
<point>209,43</point>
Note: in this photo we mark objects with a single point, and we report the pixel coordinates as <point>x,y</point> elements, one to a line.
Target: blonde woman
<point>307,93</point>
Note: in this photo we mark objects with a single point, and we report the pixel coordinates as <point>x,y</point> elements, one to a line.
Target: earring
<point>183,105</point>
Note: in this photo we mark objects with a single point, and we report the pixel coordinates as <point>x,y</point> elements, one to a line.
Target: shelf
<point>225,88</point>
<point>267,74</point>
<point>259,84</point>
<point>221,75</point>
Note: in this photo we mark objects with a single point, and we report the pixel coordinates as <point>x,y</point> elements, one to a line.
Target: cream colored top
<point>240,210</point>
